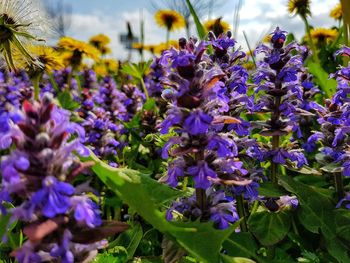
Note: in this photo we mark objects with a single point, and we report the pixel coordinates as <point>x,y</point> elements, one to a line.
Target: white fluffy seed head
<point>28,15</point>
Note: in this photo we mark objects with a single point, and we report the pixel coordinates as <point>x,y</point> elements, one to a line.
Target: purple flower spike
<point>53,199</point>
<point>200,173</point>
<point>197,122</point>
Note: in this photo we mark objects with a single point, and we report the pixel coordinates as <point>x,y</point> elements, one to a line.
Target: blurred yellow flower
<point>137,46</point>
<point>217,26</point>
<point>336,12</point>
<point>300,7</point>
<point>170,19</point>
<point>150,48</point>
<point>267,38</point>
<point>158,49</point>
<point>106,66</point>
<point>78,47</point>
<point>320,35</point>
<point>48,58</point>
<point>101,42</point>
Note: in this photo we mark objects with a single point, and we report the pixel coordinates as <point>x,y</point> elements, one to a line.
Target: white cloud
<point>257,18</point>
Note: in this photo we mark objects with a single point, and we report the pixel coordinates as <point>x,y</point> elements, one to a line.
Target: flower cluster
<point>280,91</point>
<point>335,124</point>
<point>205,100</point>
<point>36,178</point>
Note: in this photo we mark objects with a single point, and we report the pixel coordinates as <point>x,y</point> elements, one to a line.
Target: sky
<point>257,18</point>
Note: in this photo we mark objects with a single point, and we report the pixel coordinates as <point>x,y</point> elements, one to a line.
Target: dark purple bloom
<point>197,122</point>
<point>86,211</point>
<point>53,198</point>
<point>200,173</point>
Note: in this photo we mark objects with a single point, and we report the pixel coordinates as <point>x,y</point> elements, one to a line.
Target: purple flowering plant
<point>198,155</point>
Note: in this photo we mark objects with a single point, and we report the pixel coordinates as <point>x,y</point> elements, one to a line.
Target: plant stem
<point>346,25</point>
<point>184,184</point>
<point>311,42</point>
<point>241,213</point>
<point>36,81</point>
<point>201,198</point>
<point>167,38</point>
<point>274,166</point>
<point>339,187</point>
<point>144,88</point>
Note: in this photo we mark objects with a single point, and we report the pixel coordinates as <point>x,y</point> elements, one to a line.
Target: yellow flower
<point>137,46</point>
<point>321,35</point>
<point>101,42</point>
<point>170,19</point>
<point>158,49</point>
<point>300,7</point>
<point>267,38</point>
<point>78,47</point>
<point>48,58</point>
<point>100,69</point>
<point>217,26</point>
<point>336,12</point>
<point>111,64</point>
<point>150,48</point>
<point>249,65</point>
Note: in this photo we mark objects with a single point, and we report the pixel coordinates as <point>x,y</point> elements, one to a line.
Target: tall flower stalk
<point>61,222</point>
<point>278,82</point>
<point>201,91</point>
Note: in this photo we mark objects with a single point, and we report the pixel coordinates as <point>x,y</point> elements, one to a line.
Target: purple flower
<point>345,200</point>
<point>197,122</point>
<point>175,170</point>
<point>53,198</point>
<point>26,254</point>
<point>62,251</point>
<point>86,211</point>
<point>200,173</point>
<point>174,116</point>
<point>225,147</point>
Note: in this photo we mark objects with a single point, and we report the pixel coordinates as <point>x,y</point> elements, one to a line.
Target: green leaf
<point>5,228</point>
<point>228,259</point>
<point>304,170</point>
<point>199,26</point>
<point>150,104</point>
<point>115,255</point>
<point>270,189</point>
<point>130,239</point>
<point>66,101</point>
<point>328,86</point>
<point>268,227</point>
<point>242,245</point>
<point>317,214</point>
<point>136,70</point>
<point>145,195</point>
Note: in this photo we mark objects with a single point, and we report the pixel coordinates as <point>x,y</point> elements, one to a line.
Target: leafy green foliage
<point>66,101</point>
<point>268,227</point>
<point>199,26</point>
<point>133,186</point>
<point>317,215</point>
<point>136,70</point>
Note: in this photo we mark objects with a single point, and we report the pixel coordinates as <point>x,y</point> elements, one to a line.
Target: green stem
<point>311,42</point>
<point>69,80</point>
<point>339,187</point>
<point>36,82</point>
<point>184,184</point>
<point>144,88</point>
<point>346,25</point>
<point>241,213</point>
<point>167,37</point>
<point>255,207</point>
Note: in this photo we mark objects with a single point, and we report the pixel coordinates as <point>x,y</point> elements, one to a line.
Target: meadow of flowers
<point>205,153</point>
